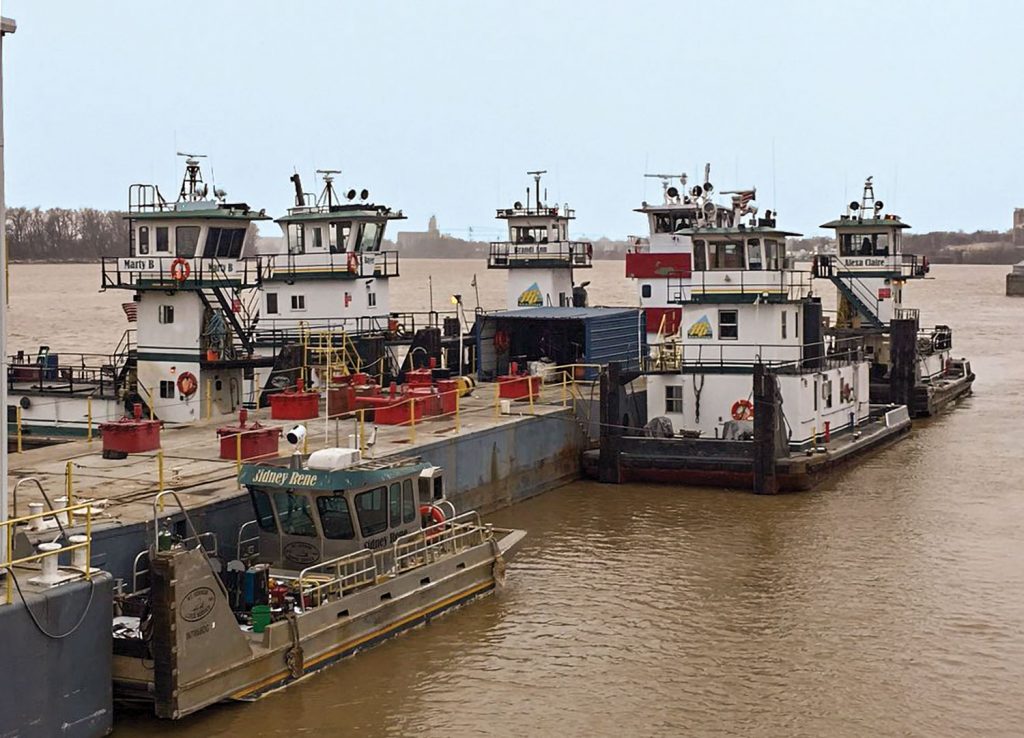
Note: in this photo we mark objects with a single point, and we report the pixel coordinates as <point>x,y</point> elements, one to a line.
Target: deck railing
<point>7,531</point>
<point>505,254</point>
<point>441,539</point>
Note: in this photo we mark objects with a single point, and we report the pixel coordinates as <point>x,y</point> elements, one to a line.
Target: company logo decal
<point>531,297</point>
<point>197,604</point>
<point>700,329</point>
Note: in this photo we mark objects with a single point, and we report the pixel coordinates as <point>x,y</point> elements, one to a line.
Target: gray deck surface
<point>125,488</point>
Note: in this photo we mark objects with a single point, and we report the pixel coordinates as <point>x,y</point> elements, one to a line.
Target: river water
<point>889,601</point>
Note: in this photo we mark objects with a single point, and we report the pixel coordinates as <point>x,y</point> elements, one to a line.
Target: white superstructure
<point>539,256</point>
<point>741,302</point>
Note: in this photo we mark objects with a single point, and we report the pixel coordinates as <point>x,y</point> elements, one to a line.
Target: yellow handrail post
<point>69,492</point>
<point>88,412</point>
<point>362,431</point>
<point>88,543</point>
<point>160,470</point>
<point>458,417</point>
<point>238,458</point>
<point>8,558</point>
<point>17,417</point>
<point>412,420</point>
<point>305,444</point>
<point>209,398</point>
<point>565,385</point>
<point>529,387</point>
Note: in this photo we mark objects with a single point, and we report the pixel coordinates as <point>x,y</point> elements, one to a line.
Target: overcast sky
<point>441,107</point>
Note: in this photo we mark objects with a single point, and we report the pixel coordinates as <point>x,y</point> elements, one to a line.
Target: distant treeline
<point>59,234</point>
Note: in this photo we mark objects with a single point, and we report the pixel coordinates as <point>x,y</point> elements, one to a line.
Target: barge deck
<point>493,460</point>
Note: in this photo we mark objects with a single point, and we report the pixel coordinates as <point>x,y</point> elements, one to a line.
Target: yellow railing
<point>8,526</point>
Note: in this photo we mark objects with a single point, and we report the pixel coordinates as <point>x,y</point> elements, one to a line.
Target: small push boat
<point>342,554</point>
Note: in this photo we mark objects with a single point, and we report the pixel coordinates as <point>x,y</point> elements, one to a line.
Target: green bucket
<point>260,618</point>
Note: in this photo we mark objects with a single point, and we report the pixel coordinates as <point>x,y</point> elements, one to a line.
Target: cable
<point>35,621</point>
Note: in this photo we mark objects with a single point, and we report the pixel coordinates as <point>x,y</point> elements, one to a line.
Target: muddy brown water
<point>890,601</point>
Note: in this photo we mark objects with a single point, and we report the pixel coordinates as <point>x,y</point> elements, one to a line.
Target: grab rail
<point>8,527</point>
<point>450,536</point>
<point>350,571</point>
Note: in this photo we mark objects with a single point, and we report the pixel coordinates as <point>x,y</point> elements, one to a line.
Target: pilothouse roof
<point>331,206</point>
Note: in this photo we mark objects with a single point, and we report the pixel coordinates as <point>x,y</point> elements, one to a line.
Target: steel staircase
<point>850,287</point>
<point>209,295</point>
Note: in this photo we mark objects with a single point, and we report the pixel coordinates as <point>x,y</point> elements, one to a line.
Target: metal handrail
<point>158,507</point>
<point>362,573</point>
<point>239,541</point>
<point>840,351</point>
<point>451,536</point>
<point>9,525</point>
<point>349,263</point>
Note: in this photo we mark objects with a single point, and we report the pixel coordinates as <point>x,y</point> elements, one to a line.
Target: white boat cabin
<point>662,262</point>
<point>334,272</point>
<point>539,256</point>
<point>745,303</point>
<point>337,505</point>
<point>869,268</point>
<point>193,297</point>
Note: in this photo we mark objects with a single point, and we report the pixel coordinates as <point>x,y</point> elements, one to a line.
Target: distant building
<point>1018,226</point>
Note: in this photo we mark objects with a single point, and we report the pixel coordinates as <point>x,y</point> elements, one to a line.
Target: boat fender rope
<point>293,657</point>
<point>498,571</point>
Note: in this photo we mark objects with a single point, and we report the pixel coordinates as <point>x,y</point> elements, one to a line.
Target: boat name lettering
<point>139,264</point>
<point>375,543</point>
<point>285,478</point>
<point>865,262</point>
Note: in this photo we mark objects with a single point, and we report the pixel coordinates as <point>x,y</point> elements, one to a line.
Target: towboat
<point>910,365</point>
<point>741,388</point>
<point>342,554</point>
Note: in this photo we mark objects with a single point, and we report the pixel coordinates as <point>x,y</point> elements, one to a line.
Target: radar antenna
<point>536,174</point>
<point>328,196</point>
<point>666,184</point>
<point>193,189</point>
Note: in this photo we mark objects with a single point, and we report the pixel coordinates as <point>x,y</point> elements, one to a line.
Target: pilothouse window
<point>143,239</point>
<point>186,238</point>
<point>395,504</point>
<point>264,512</point>
<point>162,240</point>
<point>294,515</point>
<point>864,244</point>
<point>335,518</point>
<point>725,255</point>
<point>372,511</point>
<point>408,502</point>
<point>224,243</point>
<point>370,238</point>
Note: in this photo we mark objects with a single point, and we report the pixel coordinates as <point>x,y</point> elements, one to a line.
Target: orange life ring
<point>187,384</point>
<point>353,262</point>
<point>435,514</point>
<point>180,269</point>
<point>742,410</point>
<point>501,341</point>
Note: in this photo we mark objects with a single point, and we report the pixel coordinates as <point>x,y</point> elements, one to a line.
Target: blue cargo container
<point>565,335</point>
